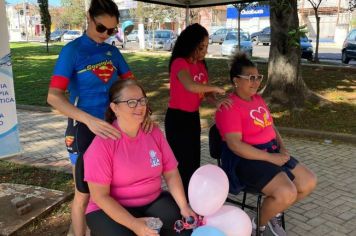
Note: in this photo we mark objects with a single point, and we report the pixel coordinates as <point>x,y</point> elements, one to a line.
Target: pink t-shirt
<point>180,98</point>
<point>250,118</point>
<point>131,166</point>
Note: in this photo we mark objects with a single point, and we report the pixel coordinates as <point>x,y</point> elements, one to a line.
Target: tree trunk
<point>284,86</point>
<point>316,55</point>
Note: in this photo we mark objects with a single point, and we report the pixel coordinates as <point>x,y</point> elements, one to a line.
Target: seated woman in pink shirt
<point>254,153</point>
<point>124,175</point>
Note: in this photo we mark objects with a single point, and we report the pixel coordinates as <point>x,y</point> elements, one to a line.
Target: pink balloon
<point>231,220</point>
<point>208,189</point>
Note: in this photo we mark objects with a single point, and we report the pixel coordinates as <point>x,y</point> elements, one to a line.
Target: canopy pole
<point>186,16</point>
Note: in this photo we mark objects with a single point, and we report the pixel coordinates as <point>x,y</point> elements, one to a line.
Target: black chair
<point>215,149</point>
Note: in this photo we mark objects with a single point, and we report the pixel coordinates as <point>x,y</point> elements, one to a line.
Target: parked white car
<point>163,40</point>
<point>71,35</point>
<point>230,44</point>
<point>133,36</point>
<point>113,40</point>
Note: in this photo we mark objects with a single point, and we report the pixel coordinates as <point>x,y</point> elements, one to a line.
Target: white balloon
<point>231,220</point>
<point>208,189</point>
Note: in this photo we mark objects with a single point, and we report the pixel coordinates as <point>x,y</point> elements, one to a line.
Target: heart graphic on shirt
<point>198,78</point>
<point>260,117</point>
<point>104,72</point>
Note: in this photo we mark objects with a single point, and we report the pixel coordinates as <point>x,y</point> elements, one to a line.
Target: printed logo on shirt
<point>103,70</point>
<point>199,77</point>
<point>154,159</point>
<point>69,140</point>
<point>261,117</point>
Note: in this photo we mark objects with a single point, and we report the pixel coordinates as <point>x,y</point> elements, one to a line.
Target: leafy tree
<point>315,4</point>
<point>45,19</point>
<point>74,13</point>
<point>285,86</point>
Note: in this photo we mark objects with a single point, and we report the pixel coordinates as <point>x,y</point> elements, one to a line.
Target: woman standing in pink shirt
<point>124,175</point>
<point>254,153</point>
<point>188,87</point>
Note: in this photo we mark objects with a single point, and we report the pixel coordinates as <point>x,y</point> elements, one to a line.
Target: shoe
<point>275,225</point>
<point>254,230</point>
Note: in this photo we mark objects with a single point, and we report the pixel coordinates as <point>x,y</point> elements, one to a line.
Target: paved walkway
<point>330,210</point>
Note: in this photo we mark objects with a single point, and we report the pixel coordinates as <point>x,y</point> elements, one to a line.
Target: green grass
<point>28,175</point>
<point>33,68</point>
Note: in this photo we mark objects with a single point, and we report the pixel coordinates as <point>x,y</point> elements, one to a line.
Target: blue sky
<point>51,2</point>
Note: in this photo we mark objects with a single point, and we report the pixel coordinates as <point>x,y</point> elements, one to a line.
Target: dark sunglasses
<point>252,78</point>
<point>132,103</point>
<point>102,28</point>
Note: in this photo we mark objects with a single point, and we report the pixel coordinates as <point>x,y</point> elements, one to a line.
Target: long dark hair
<point>188,41</point>
<point>116,92</point>
<point>238,62</point>
<point>103,7</point>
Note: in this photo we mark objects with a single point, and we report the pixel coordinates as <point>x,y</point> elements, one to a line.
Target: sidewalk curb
<point>321,66</point>
<point>348,138</point>
<point>205,123</point>
<point>327,136</point>
<point>34,108</point>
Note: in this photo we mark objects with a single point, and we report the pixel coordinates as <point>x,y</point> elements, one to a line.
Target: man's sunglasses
<point>252,78</point>
<point>102,28</point>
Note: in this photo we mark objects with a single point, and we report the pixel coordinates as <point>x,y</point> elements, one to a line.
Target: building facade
<point>334,19</point>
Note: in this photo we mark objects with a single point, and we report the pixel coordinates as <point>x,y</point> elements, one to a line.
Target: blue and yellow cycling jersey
<point>88,69</point>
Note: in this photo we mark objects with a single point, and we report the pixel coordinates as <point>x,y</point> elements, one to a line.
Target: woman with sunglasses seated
<point>124,175</point>
<point>87,67</point>
<point>255,154</point>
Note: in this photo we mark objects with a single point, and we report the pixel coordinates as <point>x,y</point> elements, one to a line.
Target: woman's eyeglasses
<point>188,223</point>
<point>132,103</point>
<point>252,78</point>
<point>102,28</point>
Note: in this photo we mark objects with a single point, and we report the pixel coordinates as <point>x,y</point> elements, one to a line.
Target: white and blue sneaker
<point>275,225</point>
<point>254,228</point>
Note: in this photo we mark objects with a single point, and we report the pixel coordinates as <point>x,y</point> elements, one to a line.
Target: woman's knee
<point>309,183</point>
<point>286,195</point>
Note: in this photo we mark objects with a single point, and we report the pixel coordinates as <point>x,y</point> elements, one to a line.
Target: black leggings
<point>183,135</point>
<point>164,207</point>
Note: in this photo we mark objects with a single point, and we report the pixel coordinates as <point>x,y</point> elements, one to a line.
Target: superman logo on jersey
<point>102,70</point>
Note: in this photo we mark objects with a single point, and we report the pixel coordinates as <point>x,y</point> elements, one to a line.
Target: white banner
<point>9,134</point>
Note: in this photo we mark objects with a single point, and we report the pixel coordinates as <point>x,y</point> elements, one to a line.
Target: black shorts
<point>78,137</point>
<point>257,174</point>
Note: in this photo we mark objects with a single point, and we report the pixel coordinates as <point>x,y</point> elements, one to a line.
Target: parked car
<point>133,36</point>
<point>163,39</point>
<point>71,35</point>
<point>263,36</point>
<point>348,51</point>
<point>57,35</point>
<point>230,44</point>
<point>115,41</point>
<point>219,35</point>
<point>306,48</point>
